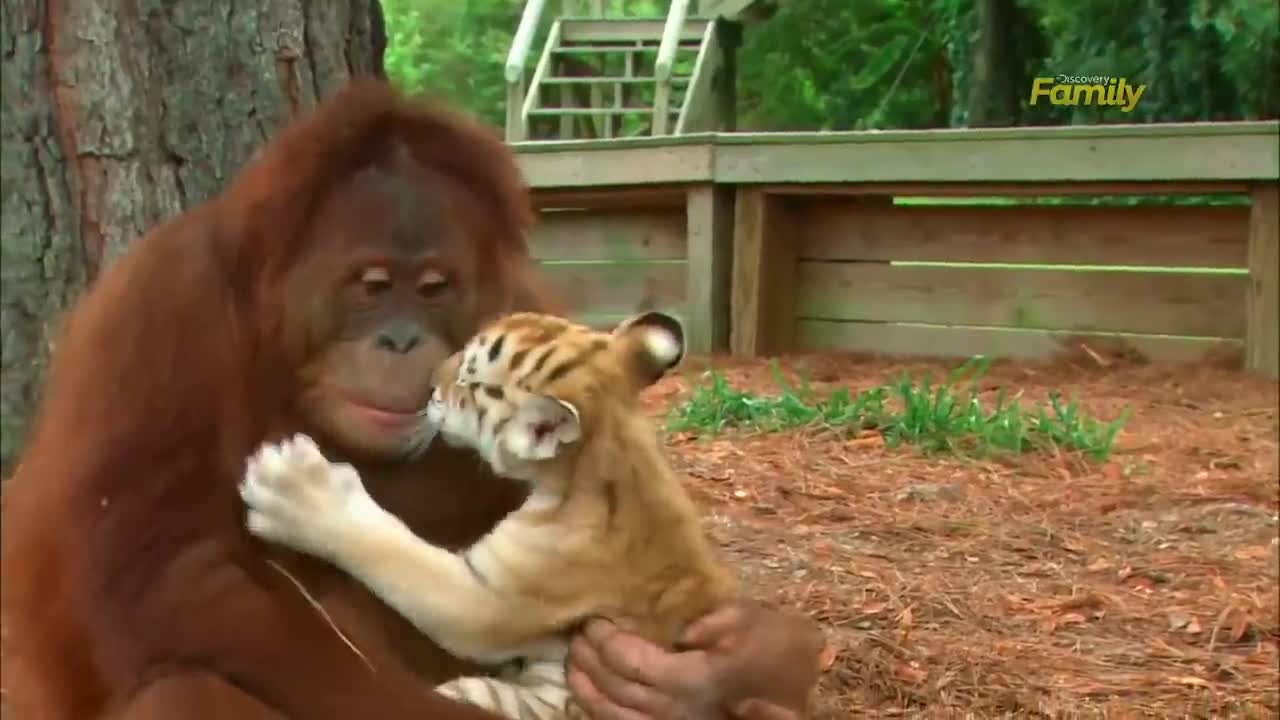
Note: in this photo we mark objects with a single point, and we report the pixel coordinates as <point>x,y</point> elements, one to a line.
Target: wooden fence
<point>773,243</point>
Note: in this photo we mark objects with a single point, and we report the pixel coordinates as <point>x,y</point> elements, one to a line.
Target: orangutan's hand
<point>743,662</point>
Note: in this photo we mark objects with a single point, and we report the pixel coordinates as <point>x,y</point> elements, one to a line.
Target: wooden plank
<point>607,80</point>
<point>515,128</point>
<point>617,288</point>
<point>673,195</point>
<point>649,196</point>
<point>620,234</point>
<point>1264,130</point>
<point>710,249</point>
<point>1206,304</point>
<point>597,49</point>
<point>996,189</point>
<point>533,98</point>
<point>565,112</point>
<point>837,229</point>
<point>1262,339</point>
<point>608,321</point>
<point>957,342</point>
<point>627,29</point>
<point>566,109</point>
<point>622,166</point>
<point>698,112</point>
<point>764,268</point>
<point>1257,128</point>
<point>978,158</point>
<point>1178,152</point>
<point>662,109</point>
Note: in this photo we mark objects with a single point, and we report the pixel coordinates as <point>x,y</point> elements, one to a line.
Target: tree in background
<point>454,50</point>
<point>1007,38</point>
<point>850,64</point>
<point>117,116</point>
<point>844,65</point>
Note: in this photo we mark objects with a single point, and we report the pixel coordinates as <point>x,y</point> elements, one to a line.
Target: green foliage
<point>1248,34</point>
<point>1201,59</point>
<point>845,64</point>
<point>933,418</point>
<point>853,64</point>
<point>453,50</point>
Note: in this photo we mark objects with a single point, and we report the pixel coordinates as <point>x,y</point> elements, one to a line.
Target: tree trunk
<point>119,114</point>
<point>997,66</point>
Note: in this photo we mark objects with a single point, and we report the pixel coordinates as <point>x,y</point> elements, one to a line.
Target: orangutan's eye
<point>375,280</point>
<point>432,283</point>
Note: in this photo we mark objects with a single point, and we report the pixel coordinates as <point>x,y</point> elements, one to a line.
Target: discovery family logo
<point>1100,90</point>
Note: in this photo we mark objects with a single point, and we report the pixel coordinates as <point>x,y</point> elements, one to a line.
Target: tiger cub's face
<point>524,390</point>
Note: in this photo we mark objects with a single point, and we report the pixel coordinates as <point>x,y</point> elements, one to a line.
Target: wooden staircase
<point>607,77</point>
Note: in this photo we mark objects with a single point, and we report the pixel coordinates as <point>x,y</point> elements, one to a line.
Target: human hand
<point>743,662</point>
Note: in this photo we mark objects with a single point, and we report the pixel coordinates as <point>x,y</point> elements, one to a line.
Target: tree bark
<point>997,66</point>
<point>119,114</point>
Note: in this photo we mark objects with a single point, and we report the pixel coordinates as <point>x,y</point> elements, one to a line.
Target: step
<point>675,80</point>
<point>559,112</point>
<point>626,29</point>
<point>610,49</point>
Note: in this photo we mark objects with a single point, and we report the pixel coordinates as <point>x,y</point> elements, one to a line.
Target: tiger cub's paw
<point>298,498</point>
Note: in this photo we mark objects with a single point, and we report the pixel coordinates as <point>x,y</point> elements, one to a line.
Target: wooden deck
<point>772,243</point>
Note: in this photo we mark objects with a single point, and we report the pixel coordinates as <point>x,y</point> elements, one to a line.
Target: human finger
<point>596,703</point>
<point>753,709</point>
<point>588,660</point>
<point>631,656</point>
<point>714,627</point>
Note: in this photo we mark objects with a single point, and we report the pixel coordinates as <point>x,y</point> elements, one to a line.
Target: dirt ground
<point>1038,587</point>
<point>1044,586</point>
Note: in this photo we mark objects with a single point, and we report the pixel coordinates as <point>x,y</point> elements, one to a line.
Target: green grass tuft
<point>935,418</point>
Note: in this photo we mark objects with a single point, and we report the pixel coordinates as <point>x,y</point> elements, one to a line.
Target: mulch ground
<point>1040,586</point>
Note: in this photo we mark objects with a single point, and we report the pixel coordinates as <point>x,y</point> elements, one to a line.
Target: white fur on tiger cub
<point>607,528</point>
<point>663,345</point>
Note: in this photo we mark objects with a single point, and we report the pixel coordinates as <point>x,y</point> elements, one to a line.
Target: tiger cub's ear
<point>655,343</point>
<point>540,426</point>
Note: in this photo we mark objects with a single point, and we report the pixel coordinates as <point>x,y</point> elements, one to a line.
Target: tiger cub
<point>607,529</point>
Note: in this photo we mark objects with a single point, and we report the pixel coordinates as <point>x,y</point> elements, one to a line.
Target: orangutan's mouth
<point>383,417</point>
